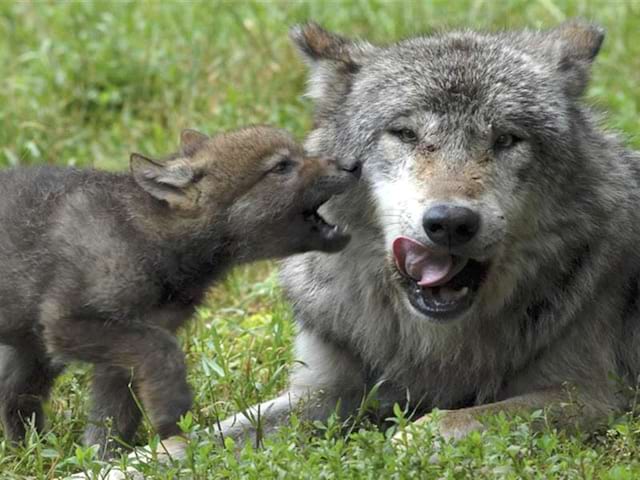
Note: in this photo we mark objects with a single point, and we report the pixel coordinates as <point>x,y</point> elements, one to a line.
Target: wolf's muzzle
<point>450,225</point>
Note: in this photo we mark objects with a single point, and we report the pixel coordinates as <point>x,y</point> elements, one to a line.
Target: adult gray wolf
<point>104,267</point>
<point>494,263</point>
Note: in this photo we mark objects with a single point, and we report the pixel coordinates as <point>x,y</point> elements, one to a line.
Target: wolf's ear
<point>164,182</point>
<point>576,44</point>
<point>332,59</point>
<point>190,140</point>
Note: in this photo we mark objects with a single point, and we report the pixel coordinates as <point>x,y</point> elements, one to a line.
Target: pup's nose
<point>354,168</point>
<point>450,225</point>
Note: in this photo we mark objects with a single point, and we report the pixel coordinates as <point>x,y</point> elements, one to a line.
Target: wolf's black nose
<point>450,225</point>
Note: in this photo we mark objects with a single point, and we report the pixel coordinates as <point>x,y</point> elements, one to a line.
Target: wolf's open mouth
<point>333,237</point>
<point>440,286</point>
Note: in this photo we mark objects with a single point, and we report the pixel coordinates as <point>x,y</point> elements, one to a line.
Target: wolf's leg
<point>26,377</point>
<point>325,378</point>
<point>259,420</point>
<point>112,401</point>
<point>565,408</point>
<point>152,354</point>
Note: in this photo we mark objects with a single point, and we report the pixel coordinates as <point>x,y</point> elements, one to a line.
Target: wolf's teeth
<point>447,294</point>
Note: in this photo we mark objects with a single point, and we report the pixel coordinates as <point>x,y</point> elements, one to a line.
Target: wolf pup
<point>103,267</point>
<point>494,261</point>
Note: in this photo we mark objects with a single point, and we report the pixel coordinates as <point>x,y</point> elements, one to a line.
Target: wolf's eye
<point>283,166</point>
<point>505,140</point>
<point>405,135</point>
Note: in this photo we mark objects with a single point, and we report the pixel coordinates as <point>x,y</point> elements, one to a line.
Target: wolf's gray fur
<point>103,267</point>
<point>493,123</point>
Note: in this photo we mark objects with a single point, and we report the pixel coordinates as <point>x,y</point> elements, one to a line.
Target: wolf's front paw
<point>456,424</point>
<point>451,424</point>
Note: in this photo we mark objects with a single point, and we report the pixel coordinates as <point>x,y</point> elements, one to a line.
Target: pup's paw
<point>170,449</point>
<point>109,474</point>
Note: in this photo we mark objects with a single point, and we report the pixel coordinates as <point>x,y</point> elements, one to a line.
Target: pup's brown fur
<point>103,268</point>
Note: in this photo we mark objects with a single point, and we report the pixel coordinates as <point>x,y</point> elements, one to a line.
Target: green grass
<point>87,83</point>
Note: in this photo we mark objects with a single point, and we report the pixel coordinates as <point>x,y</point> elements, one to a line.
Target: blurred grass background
<point>86,83</point>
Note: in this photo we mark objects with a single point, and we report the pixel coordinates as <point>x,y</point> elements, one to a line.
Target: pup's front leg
<point>112,401</point>
<point>248,426</point>
<point>150,355</point>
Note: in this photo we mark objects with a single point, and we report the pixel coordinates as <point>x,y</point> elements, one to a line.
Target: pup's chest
<point>170,317</point>
<point>175,307</point>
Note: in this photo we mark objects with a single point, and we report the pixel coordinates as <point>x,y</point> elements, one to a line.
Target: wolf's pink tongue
<point>425,266</point>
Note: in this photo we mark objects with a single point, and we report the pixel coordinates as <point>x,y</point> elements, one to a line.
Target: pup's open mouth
<point>439,285</point>
<point>330,238</point>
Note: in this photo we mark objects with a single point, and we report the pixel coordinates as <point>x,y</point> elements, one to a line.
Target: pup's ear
<point>576,44</point>
<point>190,140</point>
<point>164,182</point>
<point>332,59</point>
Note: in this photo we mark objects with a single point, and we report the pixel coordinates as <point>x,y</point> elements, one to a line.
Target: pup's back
<point>31,199</point>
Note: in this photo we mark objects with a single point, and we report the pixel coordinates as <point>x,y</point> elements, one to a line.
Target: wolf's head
<point>255,186</point>
<point>472,145</point>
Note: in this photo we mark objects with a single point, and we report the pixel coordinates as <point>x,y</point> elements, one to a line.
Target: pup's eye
<point>505,140</point>
<point>283,166</point>
<point>405,135</point>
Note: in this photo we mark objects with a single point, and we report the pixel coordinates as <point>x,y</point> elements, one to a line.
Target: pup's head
<point>256,184</point>
<point>468,143</point>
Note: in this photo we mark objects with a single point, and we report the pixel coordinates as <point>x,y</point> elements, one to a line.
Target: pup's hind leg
<point>26,377</point>
<point>114,412</point>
